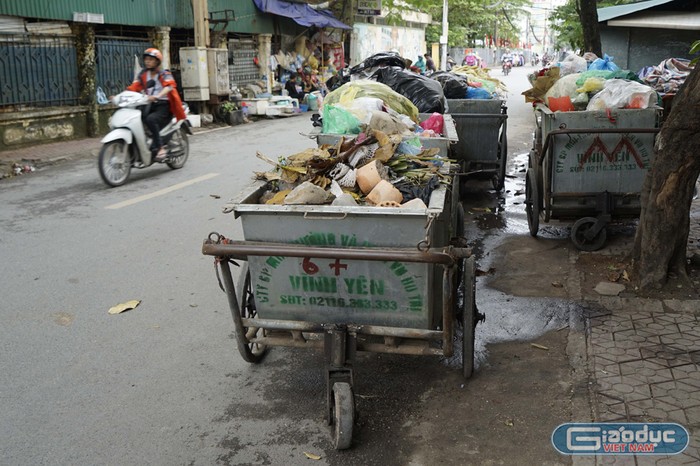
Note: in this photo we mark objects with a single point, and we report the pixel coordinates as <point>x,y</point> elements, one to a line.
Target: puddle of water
<point>510,318</point>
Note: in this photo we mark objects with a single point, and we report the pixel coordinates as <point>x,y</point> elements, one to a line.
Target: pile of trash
<point>590,83</point>
<point>470,82</point>
<point>374,168</point>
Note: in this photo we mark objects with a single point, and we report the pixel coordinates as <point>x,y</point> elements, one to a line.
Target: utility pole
<point>443,37</point>
<point>200,11</point>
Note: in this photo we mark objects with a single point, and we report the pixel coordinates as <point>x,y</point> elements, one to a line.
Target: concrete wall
<point>635,48</point>
<point>29,128</point>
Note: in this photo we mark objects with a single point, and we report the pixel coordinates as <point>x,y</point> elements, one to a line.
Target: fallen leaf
<point>119,308</point>
<point>215,196</point>
<point>557,285</point>
<point>542,347</point>
<point>481,273</point>
<point>311,456</point>
<point>625,276</point>
<point>509,422</point>
<point>614,276</point>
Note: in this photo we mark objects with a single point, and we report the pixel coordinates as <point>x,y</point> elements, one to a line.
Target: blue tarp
<point>301,13</point>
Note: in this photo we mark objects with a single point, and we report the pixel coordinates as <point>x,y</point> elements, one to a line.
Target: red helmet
<point>155,53</point>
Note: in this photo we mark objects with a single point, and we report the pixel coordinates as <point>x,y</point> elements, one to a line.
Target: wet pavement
<point>642,356</point>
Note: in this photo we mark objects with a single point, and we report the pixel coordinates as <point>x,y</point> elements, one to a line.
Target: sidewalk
<point>46,154</point>
<point>41,155</point>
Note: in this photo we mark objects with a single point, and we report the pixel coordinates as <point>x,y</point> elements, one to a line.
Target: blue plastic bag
<point>478,93</point>
<point>605,64</point>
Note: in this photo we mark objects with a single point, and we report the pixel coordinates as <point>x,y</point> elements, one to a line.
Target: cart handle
<point>243,249</point>
<point>330,216</point>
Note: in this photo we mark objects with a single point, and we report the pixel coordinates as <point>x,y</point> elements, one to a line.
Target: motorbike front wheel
<point>178,149</point>
<point>114,162</point>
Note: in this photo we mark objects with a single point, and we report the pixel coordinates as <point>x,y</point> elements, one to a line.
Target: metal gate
<point>115,62</point>
<point>242,69</point>
<point>38,70</point>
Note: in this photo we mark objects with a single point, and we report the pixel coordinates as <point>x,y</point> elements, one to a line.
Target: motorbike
<point>126,146</point>
<point>507,65</point>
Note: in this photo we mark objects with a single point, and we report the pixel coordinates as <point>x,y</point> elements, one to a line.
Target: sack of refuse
<point>337,120</point>
<point>425,93</point>
<point>621,93</point>
<point>377,60</point>
<point>348,92</point>
<point>454,86</point>
<point>606,63</point>
<point>573,64</point>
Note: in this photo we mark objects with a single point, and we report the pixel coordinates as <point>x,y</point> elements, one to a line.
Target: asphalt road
<point>163,383</point>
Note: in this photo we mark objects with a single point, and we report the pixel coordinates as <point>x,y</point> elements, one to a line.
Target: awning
<point>301,13</point>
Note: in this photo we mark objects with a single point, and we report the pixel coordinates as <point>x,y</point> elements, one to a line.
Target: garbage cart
<point>482,146</point>
<point>589,166</point>
<point>344,279</point>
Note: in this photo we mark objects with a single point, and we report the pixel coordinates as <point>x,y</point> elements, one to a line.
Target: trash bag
<point>573,64</point>
<point>425,93</point>
<point>435,122</point>
<point>379,59</point>
<point>478,93</point>
<point>348,92</point>
<point>413,191</point>
<point>605,63</point>
<point>620,93</point>
<point>337,120</point>
<point>564,87</point>
<point>454,86</point>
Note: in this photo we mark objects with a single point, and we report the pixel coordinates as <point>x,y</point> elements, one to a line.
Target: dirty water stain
<point>63,319</point>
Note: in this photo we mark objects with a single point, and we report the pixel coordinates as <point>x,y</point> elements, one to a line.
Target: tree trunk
<point>588,13</point>
<point>662,236</point>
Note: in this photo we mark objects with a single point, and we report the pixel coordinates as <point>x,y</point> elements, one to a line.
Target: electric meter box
<point>217,61</point>
<point>194,73</point>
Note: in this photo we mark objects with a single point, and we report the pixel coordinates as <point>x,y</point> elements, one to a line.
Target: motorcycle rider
<point>165,100</point>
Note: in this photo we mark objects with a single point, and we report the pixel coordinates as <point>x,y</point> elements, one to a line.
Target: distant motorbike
<point>127,145</point>
<point>507,65</point>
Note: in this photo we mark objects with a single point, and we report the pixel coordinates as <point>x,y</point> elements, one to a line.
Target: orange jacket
<point>166,79</point>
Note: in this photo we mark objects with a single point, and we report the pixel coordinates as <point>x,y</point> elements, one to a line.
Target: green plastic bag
<point>337,120</point>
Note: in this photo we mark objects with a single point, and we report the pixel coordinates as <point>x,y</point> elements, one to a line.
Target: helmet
<point>155,53</point>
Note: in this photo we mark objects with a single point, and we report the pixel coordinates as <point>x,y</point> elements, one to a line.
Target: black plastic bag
<point>425,93</point>
<point>453,85</point>
<point>379,59</point>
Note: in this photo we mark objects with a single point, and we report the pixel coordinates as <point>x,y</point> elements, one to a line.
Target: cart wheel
<point>468,317</point>
<point>343,415</point>
<point>578,235</point>
<point>532,201</point>
<point>251,352</point>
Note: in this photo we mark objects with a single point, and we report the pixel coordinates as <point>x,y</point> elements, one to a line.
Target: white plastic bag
<point>573,64</point>
<point>621,93</point>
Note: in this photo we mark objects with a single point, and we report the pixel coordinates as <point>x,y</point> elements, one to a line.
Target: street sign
<point>369,7</point>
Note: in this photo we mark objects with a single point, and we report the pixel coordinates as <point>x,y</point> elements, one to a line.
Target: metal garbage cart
<point>589,166</point>
<point>347,279</point>
<point>482,146</point>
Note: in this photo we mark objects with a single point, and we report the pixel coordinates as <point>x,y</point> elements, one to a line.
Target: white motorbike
<point>127,145</point>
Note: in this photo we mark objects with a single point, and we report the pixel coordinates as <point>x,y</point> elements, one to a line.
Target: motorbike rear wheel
<point>178,149</point>
<point>114,162</point>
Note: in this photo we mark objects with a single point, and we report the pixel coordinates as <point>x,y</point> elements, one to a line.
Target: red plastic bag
<point>435,122</point>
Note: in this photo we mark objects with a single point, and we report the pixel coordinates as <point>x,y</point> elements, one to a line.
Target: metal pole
<point>443,38</point>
